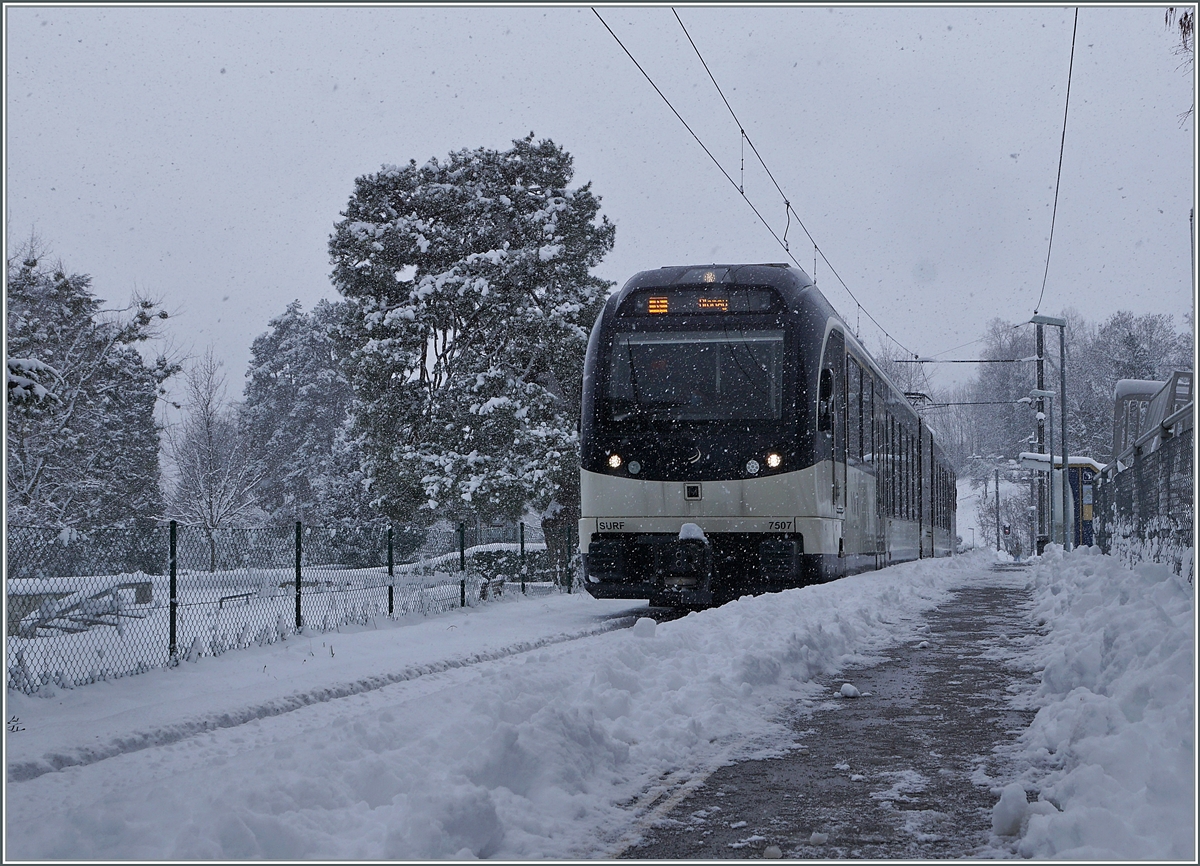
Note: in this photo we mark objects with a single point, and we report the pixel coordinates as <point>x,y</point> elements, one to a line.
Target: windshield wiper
<point>649,410</point>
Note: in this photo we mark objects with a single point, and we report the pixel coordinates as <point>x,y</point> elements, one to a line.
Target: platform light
<point>614,460</point>
<point>774,460</point>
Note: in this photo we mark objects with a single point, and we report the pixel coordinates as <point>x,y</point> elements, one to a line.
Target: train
<point>737,438</point>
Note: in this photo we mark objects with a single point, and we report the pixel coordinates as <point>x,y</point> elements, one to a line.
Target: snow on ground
<point>502,732</point>
<point>1111,752</point>
<point>523,754</point>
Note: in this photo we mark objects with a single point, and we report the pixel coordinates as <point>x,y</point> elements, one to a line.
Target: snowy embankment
<point>520,754</point>
<point>1111,750</point>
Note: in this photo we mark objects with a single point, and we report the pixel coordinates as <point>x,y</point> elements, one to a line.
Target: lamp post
<point>1041,395</point>
<point>1061,324</point>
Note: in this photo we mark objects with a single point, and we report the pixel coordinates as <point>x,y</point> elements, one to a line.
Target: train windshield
<point>697,375</point>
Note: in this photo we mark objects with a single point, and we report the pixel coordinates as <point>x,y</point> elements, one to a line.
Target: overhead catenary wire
<point>962,346</point>
<point>1061,148</point>
<point>789,210</point>
<point>964,361</point>
<point>969,403</point>
<point>704,147</point>
<point>740,188</point>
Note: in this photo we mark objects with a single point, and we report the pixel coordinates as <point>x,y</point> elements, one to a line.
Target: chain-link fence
<point>1146,511</point>
<point>103,603</point>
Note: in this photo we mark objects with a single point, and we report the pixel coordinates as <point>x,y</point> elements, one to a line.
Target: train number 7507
<point>777,525</point>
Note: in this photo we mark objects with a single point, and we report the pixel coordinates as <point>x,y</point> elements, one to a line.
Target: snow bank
<point>1111,750</point>
<point>526,756</point>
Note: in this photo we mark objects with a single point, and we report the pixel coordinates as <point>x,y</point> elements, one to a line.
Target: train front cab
<point>861,484</point>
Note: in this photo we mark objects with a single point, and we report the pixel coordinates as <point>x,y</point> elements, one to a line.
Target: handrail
<point>1165,426</point>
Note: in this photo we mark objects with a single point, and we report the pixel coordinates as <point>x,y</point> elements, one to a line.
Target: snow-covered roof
<point>1034,460</point>
<point>1146,388</point>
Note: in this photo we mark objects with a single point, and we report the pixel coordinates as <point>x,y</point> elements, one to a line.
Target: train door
<point>879,464</point>
<point>922,470</point>
<point>859,528</point>
<point>835,363</point>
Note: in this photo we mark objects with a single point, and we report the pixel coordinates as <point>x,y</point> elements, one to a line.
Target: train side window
<point>854,422</point>
<point>897,483</point>
<point>825,401</point>
<point>895,461</point>
<point>946,499</point>
<point>891,466</point>
<point>886,464</point>
<point>906,449</point>
<point>912,480</point>
<point>869,414</point>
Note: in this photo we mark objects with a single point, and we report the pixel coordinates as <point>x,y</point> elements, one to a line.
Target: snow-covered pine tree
<point>296,418</point>
<point>470,305</point>
<point>90,456</point>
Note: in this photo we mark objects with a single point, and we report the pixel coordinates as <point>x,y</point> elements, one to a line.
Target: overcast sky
<point>202,155</point>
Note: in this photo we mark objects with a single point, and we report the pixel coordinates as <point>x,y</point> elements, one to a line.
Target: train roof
<point>780,276</point>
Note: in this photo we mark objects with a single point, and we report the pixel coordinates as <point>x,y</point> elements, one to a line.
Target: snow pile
<point>1111,751</point>
<point>530,755</point>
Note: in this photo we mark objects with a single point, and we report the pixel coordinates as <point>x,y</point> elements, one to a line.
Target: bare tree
<point>215,475</point>
<point>1185,21</point>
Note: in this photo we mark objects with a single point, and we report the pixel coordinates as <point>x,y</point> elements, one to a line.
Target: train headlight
<point>752,467</point>
<point>614,460</point>
<point>634,467</point>
<point>774,460</point>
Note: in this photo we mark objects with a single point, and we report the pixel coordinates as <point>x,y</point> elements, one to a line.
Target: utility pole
<point>1062,401</point>
<point>1061,324</point>
<point>997,509</point>
<point>1043,533</point>
<point>1033,513</point>
<point>1049,395</point>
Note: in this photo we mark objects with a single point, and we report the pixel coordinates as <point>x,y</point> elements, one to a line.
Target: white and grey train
<point>737,439</point>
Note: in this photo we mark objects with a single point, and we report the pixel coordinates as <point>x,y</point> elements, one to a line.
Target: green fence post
<point>173,647</point>
<point>522,557</point>
<point>299,547</point>
<point>391,575</point>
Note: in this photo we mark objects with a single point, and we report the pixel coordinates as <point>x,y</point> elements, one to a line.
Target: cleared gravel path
<point>902,772</point>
